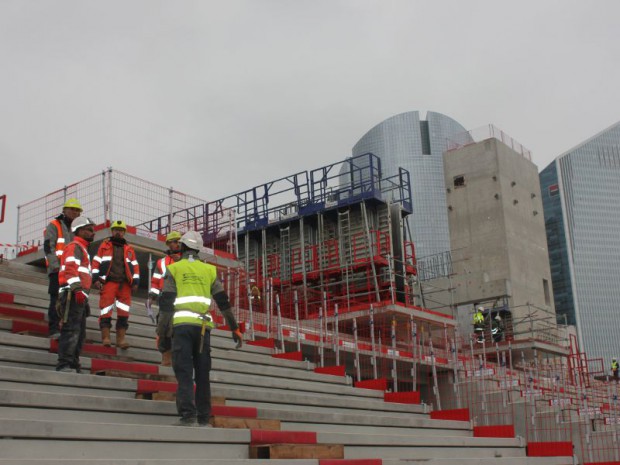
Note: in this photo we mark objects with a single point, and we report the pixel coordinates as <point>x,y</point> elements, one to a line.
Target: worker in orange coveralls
<point>117,273</point>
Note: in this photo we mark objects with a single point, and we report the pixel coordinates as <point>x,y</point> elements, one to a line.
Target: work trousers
<point>72,332</point>
<point>189,364</point>
<point>164,331</point>
<point>52,315</point>
<point>117,295</point>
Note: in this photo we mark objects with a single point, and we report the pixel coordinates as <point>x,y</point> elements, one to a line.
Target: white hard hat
<point>252,280</point>
<point>480,308</point>
<point>192,240</point>
<point>80,222</point>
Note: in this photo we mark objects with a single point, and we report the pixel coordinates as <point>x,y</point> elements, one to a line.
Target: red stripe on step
<point>22,313</point>
<point>6,298</point>
<point>409,397</point>
<point>259,436</point>
<point>375,384</point>
<point>87,348</point>
<point>100,365</point>
<point>494,431</point>
<point>350,462</point>
<point>23,326</point>
<point>458,414</point>
<point>270,343</point>
<point>146,386</point>
<point>337,370</point>
<point>550,449</point>
<point>290,356</point>
<point>231,411</point>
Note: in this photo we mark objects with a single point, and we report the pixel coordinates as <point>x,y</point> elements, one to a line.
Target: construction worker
<point>164,318</point>
<point>117,273</point>
<point>75,281</point>
<point>614,368</point>
<point>254,293</point>
<point>56,236</point>
<point>479,323</point>
<point>190,285</point>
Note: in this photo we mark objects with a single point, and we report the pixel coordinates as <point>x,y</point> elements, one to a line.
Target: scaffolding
<point>341,287</point>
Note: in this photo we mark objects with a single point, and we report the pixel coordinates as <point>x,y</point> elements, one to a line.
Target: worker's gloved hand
<point>80,297</point>
<point>238,338</point>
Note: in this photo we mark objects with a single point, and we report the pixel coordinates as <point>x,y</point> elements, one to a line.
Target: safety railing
<point>152,209</point>
<point>486,132</point>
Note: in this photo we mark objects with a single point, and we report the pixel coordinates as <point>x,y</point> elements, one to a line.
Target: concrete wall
<point>497,231</point>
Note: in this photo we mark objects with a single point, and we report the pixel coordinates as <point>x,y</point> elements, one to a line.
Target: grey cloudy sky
<point>213,97</point>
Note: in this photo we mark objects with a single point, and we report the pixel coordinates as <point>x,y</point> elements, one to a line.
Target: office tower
<point>417,146</point>
<point>581,189</point>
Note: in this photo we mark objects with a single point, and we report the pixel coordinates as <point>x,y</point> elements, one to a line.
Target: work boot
<point>166,358</point>
<point>120,338</point>
<point>105,337</point>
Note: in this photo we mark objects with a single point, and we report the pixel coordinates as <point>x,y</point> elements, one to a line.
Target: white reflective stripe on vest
<point>200,316</point>
<point>192,299</point>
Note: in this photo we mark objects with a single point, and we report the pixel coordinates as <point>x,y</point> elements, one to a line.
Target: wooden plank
<point>245,423</point>
<point>297,451</point>
<point>135,375</point>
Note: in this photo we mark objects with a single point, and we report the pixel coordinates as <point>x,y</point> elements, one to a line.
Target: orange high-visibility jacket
<point>157,280</point>
<point>103,259</point>
<point>75,271</point>
<point>55,237</point>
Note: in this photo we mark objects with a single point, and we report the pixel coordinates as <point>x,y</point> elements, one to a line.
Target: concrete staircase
<point>267,410</point>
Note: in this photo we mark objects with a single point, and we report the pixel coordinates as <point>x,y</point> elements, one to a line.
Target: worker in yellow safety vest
<point>614,368</point>
<point>479,323</point>
<point>190,285</point>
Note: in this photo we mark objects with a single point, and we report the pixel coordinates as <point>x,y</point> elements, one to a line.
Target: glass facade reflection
<point>417,146</point>
<point>583,186</point>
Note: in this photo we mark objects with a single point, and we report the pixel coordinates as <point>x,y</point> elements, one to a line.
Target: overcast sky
<point>213,97</point>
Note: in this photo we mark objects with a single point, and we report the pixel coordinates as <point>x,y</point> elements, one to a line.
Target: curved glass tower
<point>417,146</point>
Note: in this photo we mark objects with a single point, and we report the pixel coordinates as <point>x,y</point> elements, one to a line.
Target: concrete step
<point>211,461</point>
<point>230,443</point>
<point>266,388</point>
<point>40,439</point>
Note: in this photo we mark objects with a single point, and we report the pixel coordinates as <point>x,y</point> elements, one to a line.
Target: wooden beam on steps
<point>297,451</point>
<point>245,423</point>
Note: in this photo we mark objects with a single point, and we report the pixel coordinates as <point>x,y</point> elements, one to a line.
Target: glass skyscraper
<point>581,199</point>
<point>417,146</point>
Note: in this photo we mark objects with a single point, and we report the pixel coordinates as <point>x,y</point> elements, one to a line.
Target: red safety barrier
<point>375,384</point>
<point>269,343</point>
<point>22,313</point>
<point>86,348</point>
<point>6,298</point>
<point>102,365</point>
<point>297,356</point>
<point>550,449</point>
<point>411,397</point>
<point>338,370</point>
<point>494,431</point>
<point>27,327</point>
<point>459,414</point>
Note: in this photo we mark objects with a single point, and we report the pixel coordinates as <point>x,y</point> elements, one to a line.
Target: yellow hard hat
<point>72,203</point>
<point>173,236</point>
<point>119,224</point>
